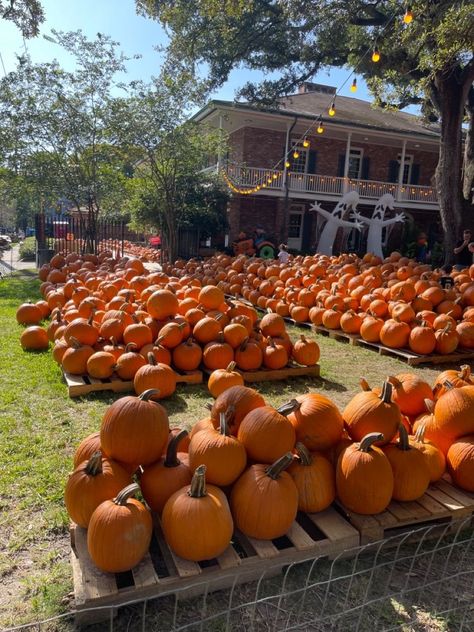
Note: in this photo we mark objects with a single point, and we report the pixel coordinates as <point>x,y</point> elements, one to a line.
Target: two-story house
<point>362,148</point>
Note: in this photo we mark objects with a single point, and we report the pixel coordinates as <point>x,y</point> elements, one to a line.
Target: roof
<point>349,112</point>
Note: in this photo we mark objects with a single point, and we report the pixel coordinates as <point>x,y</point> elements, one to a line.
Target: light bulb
<point>408,17</point>
<point>354,86</point>
<point>375,55</point>
<point>306,143</point>
<point>320,128</point>
<point>287,164</point>
<point>332,109</point>
<point>296,154</point>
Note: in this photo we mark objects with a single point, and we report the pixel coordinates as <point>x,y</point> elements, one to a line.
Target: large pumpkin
<point>314,479</point>
<point>92,482</point>
<point>364,476</point>
<point>316,420</point>
<point>264,500</point>
<point>135,430</point>
<point>119,532</point>
<point>411,473</point>
<point>410,392</point>
<point>267,434</point>
<point>241,400</point>
<point>433,455</point>
<point>454,412</point>
<point>460,462</point>
<point>196,520</point>
<point>155,375</point>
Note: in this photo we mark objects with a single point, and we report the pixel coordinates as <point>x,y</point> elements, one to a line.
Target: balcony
<point>301,185</point>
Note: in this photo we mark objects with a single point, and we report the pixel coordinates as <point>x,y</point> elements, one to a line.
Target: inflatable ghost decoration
<point>335,220</point>
<point>377,222</point>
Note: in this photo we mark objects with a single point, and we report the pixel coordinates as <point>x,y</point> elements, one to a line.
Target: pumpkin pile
<point>397,302</point>
<point>250,466</point>
<point>113,316</point>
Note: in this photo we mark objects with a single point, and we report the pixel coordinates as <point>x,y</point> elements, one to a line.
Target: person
<point>471,250</point>
<point>462,252</point>
<point>446,280</point>
<point>283,254</point>
<point>421,250</point>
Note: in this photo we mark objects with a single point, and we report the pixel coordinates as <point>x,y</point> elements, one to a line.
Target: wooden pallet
<point>325,534</point>
<point>270,375</point>
<point>78,385</point>
<point>442,502</point>
<point>413,359</point>
<point>336,334</point>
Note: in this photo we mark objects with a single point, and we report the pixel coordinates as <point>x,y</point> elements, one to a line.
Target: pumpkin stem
<point>231,366</point>
<point>148,394</point>
<point>74,342</point>
<point>171,459</point>
<point>125,493</point>
<point>403,443</point>
<point>420,434</point>
<point>131,346</point>
<point>274,470</point>
<point>448,385</point>
<point>223,428</point>
<point>303,453</point>
<point>289,407</point>
<point>198,483</point>
<point>364,384</point>
<point>386,394</point>
<point>208,405</point>
<point>151,358</point>
<point>94,464</point>
<point>367,442</point>
<point>429,405</point>
<point>465,373</point>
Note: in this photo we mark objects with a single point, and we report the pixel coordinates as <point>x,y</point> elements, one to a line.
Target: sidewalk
<point>10,261</point>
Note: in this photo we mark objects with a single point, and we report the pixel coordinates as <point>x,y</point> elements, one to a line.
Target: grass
<point>40,427</point>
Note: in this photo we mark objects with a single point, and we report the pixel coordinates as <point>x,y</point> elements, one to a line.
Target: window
<point>355,163</point>
<point>298,165</point>
<point>294,225</point>
<point>407,165</point>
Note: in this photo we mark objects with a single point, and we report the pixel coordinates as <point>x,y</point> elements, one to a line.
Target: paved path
<point>10,261</point>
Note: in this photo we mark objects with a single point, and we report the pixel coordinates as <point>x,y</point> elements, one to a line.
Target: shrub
<point>28,249</point>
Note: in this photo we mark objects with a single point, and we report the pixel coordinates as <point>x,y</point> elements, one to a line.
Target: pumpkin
<point>422,339</point>
<point>431,432</point>
<point>454,412</point>
<point>266,433</point>
<point>454,378</point>
<point>75,358</point>
<point>162,304</point>
<point>305,352</point>
<point>314,478</point>
<point>235,334</point>
<point>161,354</point>
<point>34,338</point>
<point>119,532</point>
<point>86,448</point>
<point>221,379</point>
<point>157,376</point>
<point>411,473</point>
<point>196,520</point>
<point>138,334</point>
<point>316,420</point>
<point>207,330</point>
<point>81,330</point>
<point>460,461</point>
<point>364,476</point>
<point>434,457</point>
<point>249,356</point>
<point>410,392</point>
<point>369,412</point>
<point>272,325</point>
<point>101,364</point>
<point>211,297</point>
<point>224,456</point>
<point>187,355</point>
<point>275,356</point>
<point>217,354</point>
<point>92,482</point>
<point>29,314</point>
<point>240,400</point>
<point>162,479</point>
<point>447,340</point>
<point>129,362</point>
<point>135,430</point>
<point>370,329</point>
<point>264,500</point>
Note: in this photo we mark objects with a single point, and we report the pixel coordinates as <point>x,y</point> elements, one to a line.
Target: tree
<point>26,14</point>
<point>153,122</point>
<point>54,126</point>
<point>429,62</point>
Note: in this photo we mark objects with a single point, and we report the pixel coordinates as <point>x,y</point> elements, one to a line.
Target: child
<point>283,255</point>
<point>446,280</point>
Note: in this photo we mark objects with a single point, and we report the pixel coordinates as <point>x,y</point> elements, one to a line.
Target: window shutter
<point>340,165</point>
<point>364,172</point>
<point>393,170</point>
<point>312,160</point>
<point>415,174</point>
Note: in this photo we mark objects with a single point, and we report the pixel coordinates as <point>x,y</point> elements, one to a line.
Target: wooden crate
<point>442,502</point>
<point>413,359</point>
<point>78,385</point>
<point>270,375</point>
<point>325,534</point>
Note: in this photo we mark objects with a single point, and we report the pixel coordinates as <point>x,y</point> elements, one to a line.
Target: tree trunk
<point>450,102</point>
<point>468,170</point>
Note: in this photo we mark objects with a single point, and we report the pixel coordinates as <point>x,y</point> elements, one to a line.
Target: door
<point>295,227</point>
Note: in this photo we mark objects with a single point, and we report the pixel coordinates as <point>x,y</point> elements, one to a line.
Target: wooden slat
<point>448,502</point>
<point>409,511</point>
<point>432,506</point>
<point>229,559</point>
<point>144,574</point>
<point>298,536</point>
<point>333,525</point>
<point>267,375</point>
<point>184,568</point>
<point>264,548</point>
<point>95,583</point>
<point>456,493</point>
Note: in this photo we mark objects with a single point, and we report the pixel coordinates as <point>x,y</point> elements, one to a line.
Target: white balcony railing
<point>273,180</point>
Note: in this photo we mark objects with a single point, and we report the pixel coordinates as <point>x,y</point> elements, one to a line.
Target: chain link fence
<point>417,581</point>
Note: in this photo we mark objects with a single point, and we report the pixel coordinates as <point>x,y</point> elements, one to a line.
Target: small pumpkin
<point>305,351</point>
<point>314,478</point>
<point>411,473</point>
<point>241,400</point>
<point>196,520</point>
<point>34,338</point>
<point>316,420</point>
<point>157,376</point>
<point>221,379</point>
<point>119,532</point>
<point>266,433</point>
<point>433,455</point>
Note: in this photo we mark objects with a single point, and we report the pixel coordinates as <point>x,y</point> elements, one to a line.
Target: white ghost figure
<point>335,220</point>
<point>377,222</point>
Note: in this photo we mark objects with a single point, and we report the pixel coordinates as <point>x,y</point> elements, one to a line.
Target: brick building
<point>362,148</point>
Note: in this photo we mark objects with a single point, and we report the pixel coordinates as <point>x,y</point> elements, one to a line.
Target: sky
<point>136,34</point>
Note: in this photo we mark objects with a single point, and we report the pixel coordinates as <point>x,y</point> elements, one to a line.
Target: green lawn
<point>40,427</point>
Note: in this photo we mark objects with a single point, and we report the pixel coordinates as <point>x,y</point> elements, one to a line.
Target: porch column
<point>285,158</point>
<point>345,187</point>
<point>400,172</point>
<point>219,148</point>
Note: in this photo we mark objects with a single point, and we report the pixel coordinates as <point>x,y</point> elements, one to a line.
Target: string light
<point>332,109</point>
<point>408,17</point>
<point>376,55</point>
<point>320,128</point>
<point>287,164</point>
<point>296,154</point>
<point>305,142</point>
<point>354,85</point>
